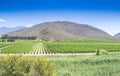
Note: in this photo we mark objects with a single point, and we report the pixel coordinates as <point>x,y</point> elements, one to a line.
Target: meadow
<point>90,65</point>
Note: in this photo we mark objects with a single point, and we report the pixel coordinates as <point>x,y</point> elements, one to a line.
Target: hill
<point>117,36</point>
<point>4,30</point>
<point>62,30</point>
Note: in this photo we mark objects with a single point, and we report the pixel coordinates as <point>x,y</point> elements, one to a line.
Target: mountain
<point>117,36</point>
<point>62,30</point>
<point>4,30</point>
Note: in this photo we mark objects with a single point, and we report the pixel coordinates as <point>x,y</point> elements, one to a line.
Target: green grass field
<point>85,65</point>
<point>78,46</point>
<point>90,65</point>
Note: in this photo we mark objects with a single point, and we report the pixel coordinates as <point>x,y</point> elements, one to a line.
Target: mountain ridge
<point>62,30</point>
<point>117,35</point>
<point>4,30</point>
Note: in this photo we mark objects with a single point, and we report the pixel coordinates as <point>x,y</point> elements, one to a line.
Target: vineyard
<point>19,47</point>
<point>4,44</point>
<point>39,48</point>
<point>81,47</point>
<point>47,47</point>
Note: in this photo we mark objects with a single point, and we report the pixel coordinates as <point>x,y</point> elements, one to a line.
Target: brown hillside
<point>62,30</point>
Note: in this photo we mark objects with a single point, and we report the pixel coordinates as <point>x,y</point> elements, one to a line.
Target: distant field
<point>4,44</point>
<point>82,46</point>
<point>43,47</point>
<point>18,47</point>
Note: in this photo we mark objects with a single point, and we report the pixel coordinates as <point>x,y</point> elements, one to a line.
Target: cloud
<point>29,25</point>
<point>2,20</point>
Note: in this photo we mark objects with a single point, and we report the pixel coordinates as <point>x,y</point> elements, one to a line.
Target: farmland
<point>70,65</point>
<point>4,44</point>
<point>82,46</point>
<point>47,47</point>
<point>18,47</point>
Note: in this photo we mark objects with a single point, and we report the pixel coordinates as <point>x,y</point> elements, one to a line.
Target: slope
<point>62,30</point>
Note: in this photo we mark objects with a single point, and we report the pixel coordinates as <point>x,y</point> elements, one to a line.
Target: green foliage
<point>25,64</point>
<point>103,51</point>
<point>98,52</point>
<point>3,44</point>
<point>87,65</point>
<point>22,66</point>
<point>10,67</point>
<point>81,47</point>
<point>43,67</point>
<point>71,46</point>
<point>19,47</point>
<point>66,74</point>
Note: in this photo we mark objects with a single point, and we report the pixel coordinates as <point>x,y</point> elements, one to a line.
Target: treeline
<point>18,37</point>
<point>25,66</point>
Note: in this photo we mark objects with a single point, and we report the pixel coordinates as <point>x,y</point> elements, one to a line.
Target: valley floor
<point>74,58</point>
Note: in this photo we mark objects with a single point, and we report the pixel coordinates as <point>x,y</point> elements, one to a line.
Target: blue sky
<point>103,14</point>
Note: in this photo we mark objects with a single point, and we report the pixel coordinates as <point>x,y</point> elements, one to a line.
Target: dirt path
<point>52,54</point>
<point>6,47</point>
<point>38,49</point>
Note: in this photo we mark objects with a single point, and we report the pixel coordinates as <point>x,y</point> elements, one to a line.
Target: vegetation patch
<point>92,65</point>
<point>71,46</point>
<point>25,66</point>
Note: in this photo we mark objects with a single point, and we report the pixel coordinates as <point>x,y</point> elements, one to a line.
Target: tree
<point>5,36</point>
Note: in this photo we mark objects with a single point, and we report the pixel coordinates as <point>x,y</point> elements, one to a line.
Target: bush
<point>44,67</point>
<point>25,66</point>
<point>98,52</point>
<point>11,40</point>
<point>101,51</point>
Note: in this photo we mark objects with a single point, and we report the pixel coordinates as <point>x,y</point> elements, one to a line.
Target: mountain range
<point>62,30</point>
<point>4,30</point>
<point>117,36</point>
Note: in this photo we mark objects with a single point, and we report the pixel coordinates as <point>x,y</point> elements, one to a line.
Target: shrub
<point>98,52</point>
<point>10,66</point>
<point>44,67</point>
<point>22,66</point>
<point>103,51</point>
<point>11,40</point>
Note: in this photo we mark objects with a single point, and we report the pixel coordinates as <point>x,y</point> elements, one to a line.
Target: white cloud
<point>29,25</point>
<point>2,20</point>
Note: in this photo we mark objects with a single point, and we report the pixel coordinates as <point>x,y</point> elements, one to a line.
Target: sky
<point>103,14</point>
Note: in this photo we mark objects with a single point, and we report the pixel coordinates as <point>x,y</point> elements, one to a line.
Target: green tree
<point>5,36</point>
